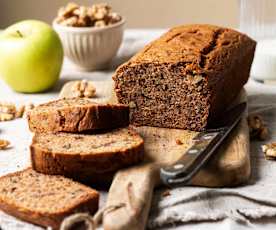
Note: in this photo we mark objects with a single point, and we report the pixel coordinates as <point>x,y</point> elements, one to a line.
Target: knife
<point>205,145</point>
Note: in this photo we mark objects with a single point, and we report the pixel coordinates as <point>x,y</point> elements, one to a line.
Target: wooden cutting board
<point>134,186</point>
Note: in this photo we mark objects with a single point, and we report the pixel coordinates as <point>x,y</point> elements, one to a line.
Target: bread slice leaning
<point>44,200</point>
<point>83,156</point>
<point>77,115</point>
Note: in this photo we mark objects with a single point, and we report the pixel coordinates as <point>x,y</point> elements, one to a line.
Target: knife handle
<point>190,163</point>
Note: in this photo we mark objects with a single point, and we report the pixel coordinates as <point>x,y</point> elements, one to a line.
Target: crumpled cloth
<point>254,200</point>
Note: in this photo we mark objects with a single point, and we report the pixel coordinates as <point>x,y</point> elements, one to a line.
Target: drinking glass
<point>258,18</point>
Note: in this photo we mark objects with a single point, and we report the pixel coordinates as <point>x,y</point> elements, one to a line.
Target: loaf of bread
<point>44,200</point>
<point>186,78</point>
<point>77,115</point>
<point>85,156</point>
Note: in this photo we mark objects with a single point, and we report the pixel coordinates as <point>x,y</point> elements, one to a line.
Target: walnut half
<point>269,151</point>
<point>257,127</point>
<point>84,89</point>
<point>97,15</point>
<point>4,144</point>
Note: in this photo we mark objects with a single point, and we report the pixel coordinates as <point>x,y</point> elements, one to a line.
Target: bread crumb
<point>178,142</point>
<point>166,193</point>
<point>7,108</point>
<point>4,144</point>
<point>7,111</point>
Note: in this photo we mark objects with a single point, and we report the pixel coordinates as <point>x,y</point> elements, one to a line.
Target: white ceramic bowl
<point>91,48</point>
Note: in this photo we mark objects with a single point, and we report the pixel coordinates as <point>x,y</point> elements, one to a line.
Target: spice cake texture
<point>77,115</point>
<point>83,156</point>
<point>186,78</point>
<point>44,200</point>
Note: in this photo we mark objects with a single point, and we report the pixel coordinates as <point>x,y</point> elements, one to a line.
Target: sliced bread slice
<point>44,200</point>
<point>83,156</point>
<point>77,115</point>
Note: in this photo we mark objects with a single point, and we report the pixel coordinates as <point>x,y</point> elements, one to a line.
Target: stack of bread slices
<point>73,138</point>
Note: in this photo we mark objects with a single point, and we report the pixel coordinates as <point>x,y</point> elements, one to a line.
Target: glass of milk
<point>258,20</point>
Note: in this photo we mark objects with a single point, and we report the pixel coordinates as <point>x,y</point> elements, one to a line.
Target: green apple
<point>31,56</point>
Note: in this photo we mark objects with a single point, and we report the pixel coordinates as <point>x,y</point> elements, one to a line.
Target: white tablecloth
<point>17,132</point>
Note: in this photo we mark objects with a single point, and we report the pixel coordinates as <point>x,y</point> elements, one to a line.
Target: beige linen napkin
<point>254,200</point>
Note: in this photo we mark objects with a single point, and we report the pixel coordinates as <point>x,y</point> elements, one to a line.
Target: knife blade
<point>205,145</point>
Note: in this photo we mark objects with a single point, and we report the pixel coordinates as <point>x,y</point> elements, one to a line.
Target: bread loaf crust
<point>85,167</point>
<point>190,75</point>
<point>77,118</point>
<point>88,203</point>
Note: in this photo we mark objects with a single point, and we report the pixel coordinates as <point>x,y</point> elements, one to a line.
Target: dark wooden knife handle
<point>189,164</point>
<point>205,144</point>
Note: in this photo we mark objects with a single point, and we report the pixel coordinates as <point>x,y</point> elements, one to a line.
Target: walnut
<point>76,86</point>
<point>98,15</point>
<point>178,142</point>
<point>257,127</point>
<point>67,146</point>
<point>81,22</point>
<point>68,10</point>
<point>84,89</point>
<point>90,91</point>
<point>72,21</point>
<point>6,116</point>
<point>100,11</point>
<point>114,18</point>
<point>81,12</point>
<point>83,85</point>
<point>7,108</point>
<point>194,79</point>
<point>132,105</point>
<point>197,79</point>
<point>59,20</point>
<point>269,151</point>
<point>4,144</point>
<point>20,111</point>
<point>166,193</point>
<point>8,111</point>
